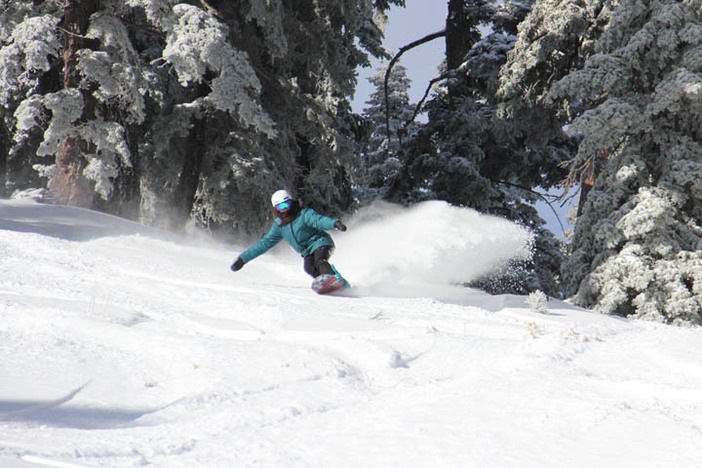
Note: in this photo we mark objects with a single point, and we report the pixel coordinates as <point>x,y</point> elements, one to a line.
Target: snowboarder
<point>304,229</point>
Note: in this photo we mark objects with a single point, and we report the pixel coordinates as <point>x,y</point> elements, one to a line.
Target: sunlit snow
<point>123,347</point>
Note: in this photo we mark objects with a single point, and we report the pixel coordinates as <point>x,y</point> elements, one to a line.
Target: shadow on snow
<point>67,223</point>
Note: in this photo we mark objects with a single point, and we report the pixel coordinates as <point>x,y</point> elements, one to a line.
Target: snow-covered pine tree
<point>193,109</point>
<point>470,155</point>
<point>306,54</point>
<point>631,92</point>
<point>206,108</point>
<point>122,67</point>
<point>379,164</point>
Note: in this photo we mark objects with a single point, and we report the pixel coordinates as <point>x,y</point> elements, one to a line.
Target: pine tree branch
<point>394,60</point>
<point>419,105</point>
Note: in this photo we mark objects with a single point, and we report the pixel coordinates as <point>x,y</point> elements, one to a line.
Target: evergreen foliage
<point>630,92</point>
<point>379,164</point>
<point>470,154</point>
<point>30,46</point>
<point>189,110</point>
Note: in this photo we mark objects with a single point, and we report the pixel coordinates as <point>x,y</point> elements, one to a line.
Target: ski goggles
<point>283,206</point>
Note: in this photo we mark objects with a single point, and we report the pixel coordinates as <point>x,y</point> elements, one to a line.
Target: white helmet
<point>280,196</point>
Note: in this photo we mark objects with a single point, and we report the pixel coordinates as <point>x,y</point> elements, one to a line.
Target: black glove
<point>237,265</point>
<point>340,226</point>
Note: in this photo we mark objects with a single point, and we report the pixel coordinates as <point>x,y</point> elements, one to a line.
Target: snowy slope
<point>123,348</point>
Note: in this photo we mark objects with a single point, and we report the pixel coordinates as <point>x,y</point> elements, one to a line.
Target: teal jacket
<point>305,234</point>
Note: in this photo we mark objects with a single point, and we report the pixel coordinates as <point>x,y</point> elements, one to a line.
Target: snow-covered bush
<point>538,302</point>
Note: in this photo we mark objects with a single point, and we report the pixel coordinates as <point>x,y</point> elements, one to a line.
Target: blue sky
<point>416,20</point>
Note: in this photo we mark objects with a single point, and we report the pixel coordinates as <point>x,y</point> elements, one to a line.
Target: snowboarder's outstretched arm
<point>321,222</point>
<point>266,243</point>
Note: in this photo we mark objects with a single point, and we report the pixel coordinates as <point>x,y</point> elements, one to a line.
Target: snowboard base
<point>327,284</point>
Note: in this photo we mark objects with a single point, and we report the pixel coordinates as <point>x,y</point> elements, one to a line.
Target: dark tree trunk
<point>458,34</point>
<point>70,186</point>
<point>461,34</point>
<point>184,196</point>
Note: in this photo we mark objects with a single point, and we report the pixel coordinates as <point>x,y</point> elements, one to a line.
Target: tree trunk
<point>69,185</point>
<point>184,195</point>
<point>458,34</point>
<point>461,35</point>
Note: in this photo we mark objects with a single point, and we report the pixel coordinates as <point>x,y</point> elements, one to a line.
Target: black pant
<point>318,263</point>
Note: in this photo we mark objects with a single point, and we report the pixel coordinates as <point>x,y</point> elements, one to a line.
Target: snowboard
<point>328,284</point>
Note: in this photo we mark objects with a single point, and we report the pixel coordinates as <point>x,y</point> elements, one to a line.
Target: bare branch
<point>540,195</point>
<point>394,60</point>
<point>419,106</point>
